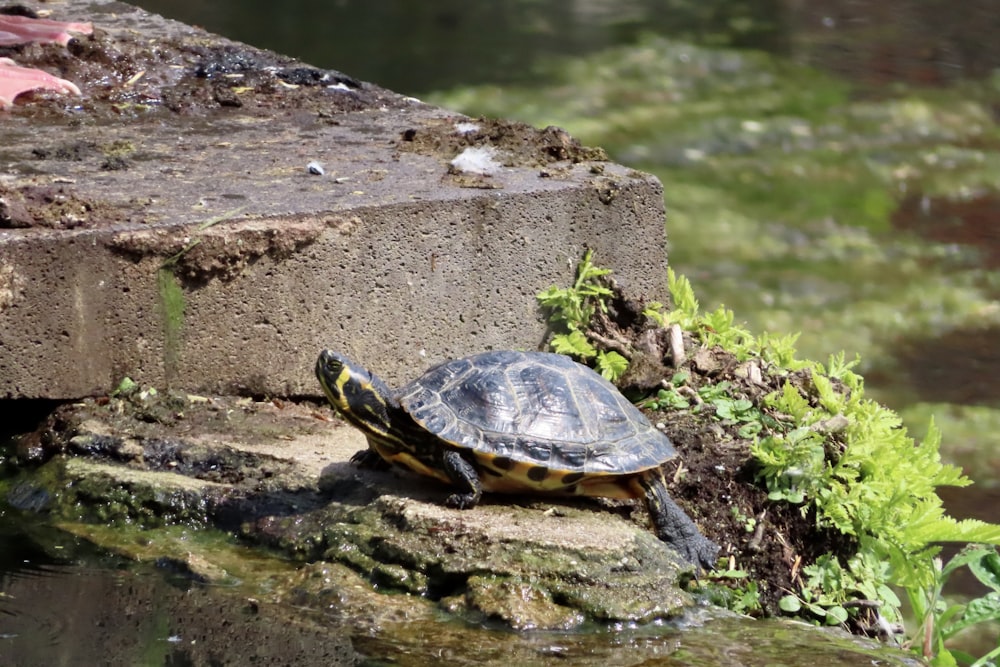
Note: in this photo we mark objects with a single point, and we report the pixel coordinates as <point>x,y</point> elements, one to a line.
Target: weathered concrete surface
<point>165,226</point>
<point>279,475</point>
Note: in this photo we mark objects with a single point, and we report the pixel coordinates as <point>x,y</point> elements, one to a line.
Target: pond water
<point>844,185</point>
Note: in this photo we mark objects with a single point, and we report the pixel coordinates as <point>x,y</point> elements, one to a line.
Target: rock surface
<point>277,474</point>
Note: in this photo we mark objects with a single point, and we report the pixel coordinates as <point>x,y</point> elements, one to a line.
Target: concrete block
<point>167,228</point>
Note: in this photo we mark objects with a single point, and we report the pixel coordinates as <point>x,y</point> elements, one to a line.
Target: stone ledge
<point>280,477</point>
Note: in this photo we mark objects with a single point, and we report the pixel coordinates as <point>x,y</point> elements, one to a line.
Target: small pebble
<point>315,168</point>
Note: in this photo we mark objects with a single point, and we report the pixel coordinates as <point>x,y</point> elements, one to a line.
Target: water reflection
<point>66,604</point>
<point>81,615</point>
<point>415,48</point>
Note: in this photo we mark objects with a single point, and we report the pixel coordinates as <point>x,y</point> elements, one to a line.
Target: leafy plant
<point>736,591</point>
<point>749,522</point>
<point>843,458</point>
<point>572,309</point>
<point>792,464</point>
<point>940,621</point>
<point>611,364</point>
<point>669,398</point>
<point>733,589</point>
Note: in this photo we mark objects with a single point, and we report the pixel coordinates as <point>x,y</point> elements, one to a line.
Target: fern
<point>574,344</point>
<point>611,365</point>
<point>574,307</point>
<point>791,403</point>
<point>780,350</point>
<point>870,480</point>
<point>685,303</point>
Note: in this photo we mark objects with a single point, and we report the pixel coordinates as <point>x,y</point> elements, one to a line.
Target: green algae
<point>558,586</point>
<point>172,303</point>
<point>520,603</point>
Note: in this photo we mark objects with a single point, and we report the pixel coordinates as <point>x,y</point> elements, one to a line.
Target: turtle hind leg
<point>463,475</point>
<point>675,527</point>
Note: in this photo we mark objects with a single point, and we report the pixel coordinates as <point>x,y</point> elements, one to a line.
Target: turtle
<point>514,422</point>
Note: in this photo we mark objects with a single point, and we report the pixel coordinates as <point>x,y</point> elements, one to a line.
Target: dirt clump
<point>714,476</point>
<point>514,144</point>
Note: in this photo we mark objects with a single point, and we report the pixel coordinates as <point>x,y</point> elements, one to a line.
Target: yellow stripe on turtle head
<point>358,395</point>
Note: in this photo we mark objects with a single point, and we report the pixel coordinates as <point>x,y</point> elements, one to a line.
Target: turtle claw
<point>462,501</point>
<point>463,475</point>
<point>700,551</point>
<point>368,459</point>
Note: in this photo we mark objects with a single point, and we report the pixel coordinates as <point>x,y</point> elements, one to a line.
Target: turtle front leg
<point>369,459</point>
<point>463,475</point>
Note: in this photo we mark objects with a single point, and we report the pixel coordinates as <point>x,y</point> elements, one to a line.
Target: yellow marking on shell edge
<point>516,480</point>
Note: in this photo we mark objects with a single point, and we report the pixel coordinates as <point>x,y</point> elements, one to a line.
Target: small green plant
<point>742,411</point>
<point>792,465</point>
<point>940,621</point>
<point>734,590</point>
<point>571,310</point>
<point>749,522</point>
<point>573,307</point>
<point>669,398</point>
<point>823,593</point>
<point>718,327</point>
<point>126,387</point>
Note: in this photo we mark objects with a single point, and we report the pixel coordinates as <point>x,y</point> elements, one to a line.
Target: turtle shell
<point>536,416</point>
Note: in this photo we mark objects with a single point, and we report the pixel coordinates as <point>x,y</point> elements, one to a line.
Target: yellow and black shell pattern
<point>536,420</point>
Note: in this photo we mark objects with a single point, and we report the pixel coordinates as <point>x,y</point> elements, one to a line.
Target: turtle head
<point>360,396</point>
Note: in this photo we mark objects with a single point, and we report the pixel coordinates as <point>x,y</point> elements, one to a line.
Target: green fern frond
<point>611,365</point>
<point>574,344</point>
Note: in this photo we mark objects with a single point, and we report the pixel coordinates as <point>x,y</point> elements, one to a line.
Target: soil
<point>125,74</point>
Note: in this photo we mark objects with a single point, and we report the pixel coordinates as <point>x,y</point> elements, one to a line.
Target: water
<point>417,48</point>
<point>80,607</point>
<point>63,602</point>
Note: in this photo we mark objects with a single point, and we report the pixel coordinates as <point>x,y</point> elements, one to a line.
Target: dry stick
<point>758,533</point>
<point>677,354</point>
<point>611,344</point>
<point>612,341</point>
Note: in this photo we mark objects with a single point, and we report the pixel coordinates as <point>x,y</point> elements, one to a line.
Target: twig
<point>173,259</point>
<point>758,533</point>
<point>677,354</point>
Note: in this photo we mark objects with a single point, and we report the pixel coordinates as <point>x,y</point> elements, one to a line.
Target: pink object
<point>21,29</point>
<point>15,80</point>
